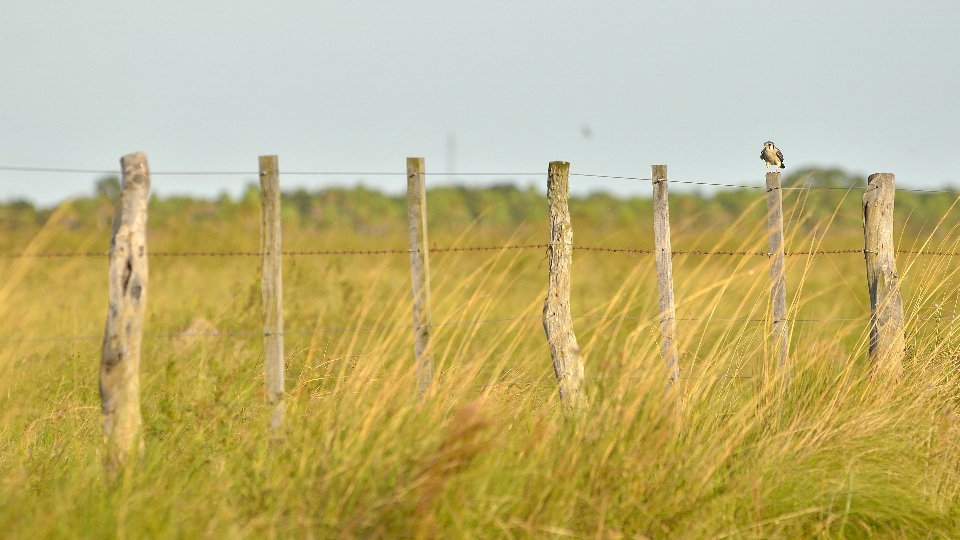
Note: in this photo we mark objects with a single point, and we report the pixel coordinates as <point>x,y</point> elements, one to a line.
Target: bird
<point>771,155</point>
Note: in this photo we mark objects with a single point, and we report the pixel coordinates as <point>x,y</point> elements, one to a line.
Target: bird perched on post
<point>772,156</point>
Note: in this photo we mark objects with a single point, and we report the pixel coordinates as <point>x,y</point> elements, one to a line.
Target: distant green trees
<point>835,200</point>
<point>824,178</point>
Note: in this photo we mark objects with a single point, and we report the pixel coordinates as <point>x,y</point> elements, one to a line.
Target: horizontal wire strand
<point>634,251</point>
<point>19,168</point>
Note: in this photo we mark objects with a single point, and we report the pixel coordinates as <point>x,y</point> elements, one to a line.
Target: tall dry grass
<point>844,454</point>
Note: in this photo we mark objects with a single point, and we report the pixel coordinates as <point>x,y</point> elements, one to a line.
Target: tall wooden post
<point>661,236</point>
<point>271,254</point>
<point>123,335</point>
<point>557,320</point>
<point>887,339</point>
<point>420,274</point>
<point>778,279</point>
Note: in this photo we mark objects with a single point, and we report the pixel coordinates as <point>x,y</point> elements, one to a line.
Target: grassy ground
<point>844,454</point>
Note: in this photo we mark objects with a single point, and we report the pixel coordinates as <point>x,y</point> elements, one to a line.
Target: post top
<point>773,180</point>
<point>881,177</point>
<point>268,164</point>
<point>559,166</point>
<point>135,169</point>
<point>415,166</point>
<point>880,186</point>
<point>658,172</point>
<point>135,160</point>
<point>135,155</point>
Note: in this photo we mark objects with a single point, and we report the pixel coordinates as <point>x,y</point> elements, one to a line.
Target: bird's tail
<point>782,166</point>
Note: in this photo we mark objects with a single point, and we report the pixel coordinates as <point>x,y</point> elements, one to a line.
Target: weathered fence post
<point>778,279</point>
<point>420,274</point>
<point>661,236</point>
<point>887,340</point>
<point>557,320</point>
<point>271,255</point>
<point>123,335</point>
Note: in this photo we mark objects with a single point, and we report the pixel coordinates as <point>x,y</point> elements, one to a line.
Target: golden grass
<point>843,455</point>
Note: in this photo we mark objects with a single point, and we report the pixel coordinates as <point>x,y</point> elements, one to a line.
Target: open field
<point>843,455</point>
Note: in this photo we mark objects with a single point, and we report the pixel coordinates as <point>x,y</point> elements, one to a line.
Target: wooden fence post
<point>661,235</point>
<point>778,279</point>
<point>420,274</point>
<point>271,255</point>
<point>123,335</point>
<point>887,339</point>
<point>557,320</point>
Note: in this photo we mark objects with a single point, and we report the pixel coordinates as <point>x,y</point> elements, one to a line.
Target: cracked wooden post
<point>271,255</point>
<point>887,339</point>
<point>420,274</point>
<point>123,335</point>
<point>661,235</point>
<point>557,320</point>
<point>778,279</point>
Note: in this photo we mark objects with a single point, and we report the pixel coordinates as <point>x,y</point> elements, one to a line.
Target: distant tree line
<point>369,211</point>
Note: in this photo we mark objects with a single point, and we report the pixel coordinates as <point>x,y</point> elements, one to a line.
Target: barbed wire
<point>687,182</point>
<point>717,184</point>
<point>284,253</point>
<point>400,251</point>
<point>752,186</point>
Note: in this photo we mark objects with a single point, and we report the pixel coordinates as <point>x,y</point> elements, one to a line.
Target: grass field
<point>844,454</point>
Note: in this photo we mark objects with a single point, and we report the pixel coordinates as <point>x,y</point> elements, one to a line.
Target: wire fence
<point>400,251</point>
<point>736,185</point>
<point>389,251</point>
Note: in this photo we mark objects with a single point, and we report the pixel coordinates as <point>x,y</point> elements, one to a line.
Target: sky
<point>498,86</point>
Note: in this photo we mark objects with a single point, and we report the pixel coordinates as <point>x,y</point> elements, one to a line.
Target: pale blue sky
<point>358,86</point>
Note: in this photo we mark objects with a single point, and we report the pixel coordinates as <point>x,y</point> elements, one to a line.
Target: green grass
<point>846,453</point>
